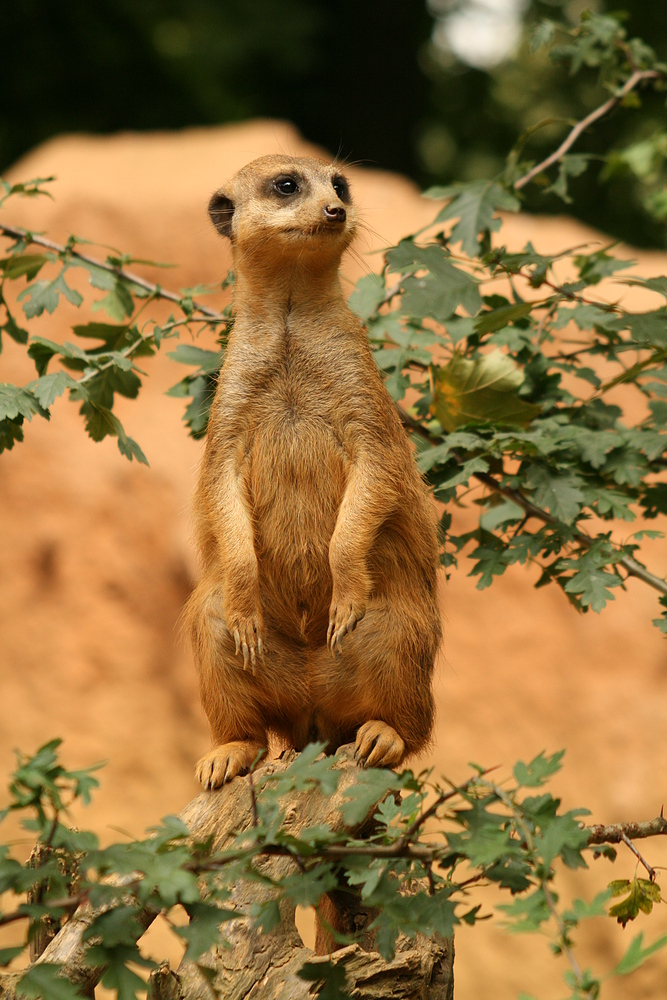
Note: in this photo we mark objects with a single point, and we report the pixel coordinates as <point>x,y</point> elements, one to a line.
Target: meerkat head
<point>283,206</point>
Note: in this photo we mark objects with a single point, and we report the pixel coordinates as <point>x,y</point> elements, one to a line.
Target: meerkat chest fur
<point>296,363</point>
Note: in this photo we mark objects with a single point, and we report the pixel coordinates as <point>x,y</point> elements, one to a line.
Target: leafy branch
<point>235,856</point>
<point>633,81</point>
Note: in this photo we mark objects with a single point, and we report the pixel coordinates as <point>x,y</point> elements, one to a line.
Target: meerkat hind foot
<point>378,745</point>
<point>224,762</point>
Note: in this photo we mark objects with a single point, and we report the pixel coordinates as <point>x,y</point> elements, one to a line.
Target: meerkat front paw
<point>247,634</point>
<point>348,607</point>
<point>342,619</point>
<point>378,745</point>
<point>224,762</point>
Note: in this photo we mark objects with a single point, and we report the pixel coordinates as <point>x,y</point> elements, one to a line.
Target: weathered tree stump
<point>264,966</point>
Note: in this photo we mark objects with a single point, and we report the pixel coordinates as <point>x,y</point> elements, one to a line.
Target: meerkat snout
<point>335,214</point>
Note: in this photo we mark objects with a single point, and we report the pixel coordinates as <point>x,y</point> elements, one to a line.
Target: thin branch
<point>628,843</point>
<point>567,951</point>
<point>617,833</point>
<point>120,272</point>
<point>408,834</point>
<point>637,77</point>
<point>630,565</point>
<point>66,903</point>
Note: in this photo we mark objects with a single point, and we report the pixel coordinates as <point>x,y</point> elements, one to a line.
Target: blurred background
<point>435,89</point>
<point>96,554</point>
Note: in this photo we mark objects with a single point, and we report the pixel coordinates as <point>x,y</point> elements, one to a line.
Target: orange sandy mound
<point>96,561</point>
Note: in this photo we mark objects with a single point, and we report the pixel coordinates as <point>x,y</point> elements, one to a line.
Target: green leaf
<point>438,297</point>
<point>368,293</point>
<point>110,333</point>
<point>569,166</point>
<point>47,388</point>
<point>11,327</point>
<point>635,956</point>
<point>542,34</point>
<point>480,391</point>
<point>501,513</point>
<point>203,931</point>
<point>538,770</point>
<point>41,351</point>
<point>592,585</point>
<point>45,295</point>
<point>187,354</point>
<point>7,954</point>
<point>331,976</point>
<point>16,401</point>
<point>646,328</point>
<point>563,837</point>
<point>496,319</point>
<point>369,789</point>
<point>28,264</point>
<point>118,926</point>
<point>560,494</point>
<point>641,897</point>
<point>118,304</point>
<point>118,976</point>
<point>475,205</point>
<point>44,982</point>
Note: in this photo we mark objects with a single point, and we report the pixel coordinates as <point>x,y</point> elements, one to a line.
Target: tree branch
<point>637,77</point>
<point>120,272</point>
<point>630,565</point>
<point>616,833</point>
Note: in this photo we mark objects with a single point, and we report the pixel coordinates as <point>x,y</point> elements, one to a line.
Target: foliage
<point>474,114</point>
<point>510,362</point>
<point>510,833</point>
<point>514,375</point>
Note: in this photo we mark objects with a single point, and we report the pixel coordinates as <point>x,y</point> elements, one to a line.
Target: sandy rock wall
<point>96,561</point>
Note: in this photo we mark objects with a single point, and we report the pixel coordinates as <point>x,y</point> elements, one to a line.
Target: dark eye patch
<point>341,188</point>
<point>286,186</point>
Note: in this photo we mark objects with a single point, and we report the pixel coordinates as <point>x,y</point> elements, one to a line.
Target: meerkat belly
<point>296,476</point>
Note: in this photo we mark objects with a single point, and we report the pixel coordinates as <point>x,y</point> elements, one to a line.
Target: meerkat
<point>316,615</point>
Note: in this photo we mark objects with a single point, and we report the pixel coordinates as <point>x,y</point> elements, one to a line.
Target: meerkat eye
<point>285,186</point>
<point>340,187</point>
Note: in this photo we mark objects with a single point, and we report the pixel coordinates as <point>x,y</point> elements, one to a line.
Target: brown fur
<point>316,614</point>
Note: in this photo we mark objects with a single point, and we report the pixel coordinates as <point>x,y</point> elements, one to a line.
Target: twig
<point>66,903</point>
<point>617,833</point>
<point>567,951</point>
<point>637,77</point>
<point>651,871</point>
<point>120,272</point>
<point>630,565</point>
<point>408,834</point>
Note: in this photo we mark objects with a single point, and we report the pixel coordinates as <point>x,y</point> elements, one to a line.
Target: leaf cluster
<point>415,852</point>
<point>511,361</point>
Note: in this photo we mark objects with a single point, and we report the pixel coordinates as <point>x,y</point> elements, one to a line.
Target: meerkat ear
<point>221,210</point>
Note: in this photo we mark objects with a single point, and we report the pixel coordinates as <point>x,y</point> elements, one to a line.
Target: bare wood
<point>265,965</point>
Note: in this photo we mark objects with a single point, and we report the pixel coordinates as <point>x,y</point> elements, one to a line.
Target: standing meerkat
<point>316,615</point>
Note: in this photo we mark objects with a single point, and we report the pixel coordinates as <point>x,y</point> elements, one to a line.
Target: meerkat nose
<point>335,214</point>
